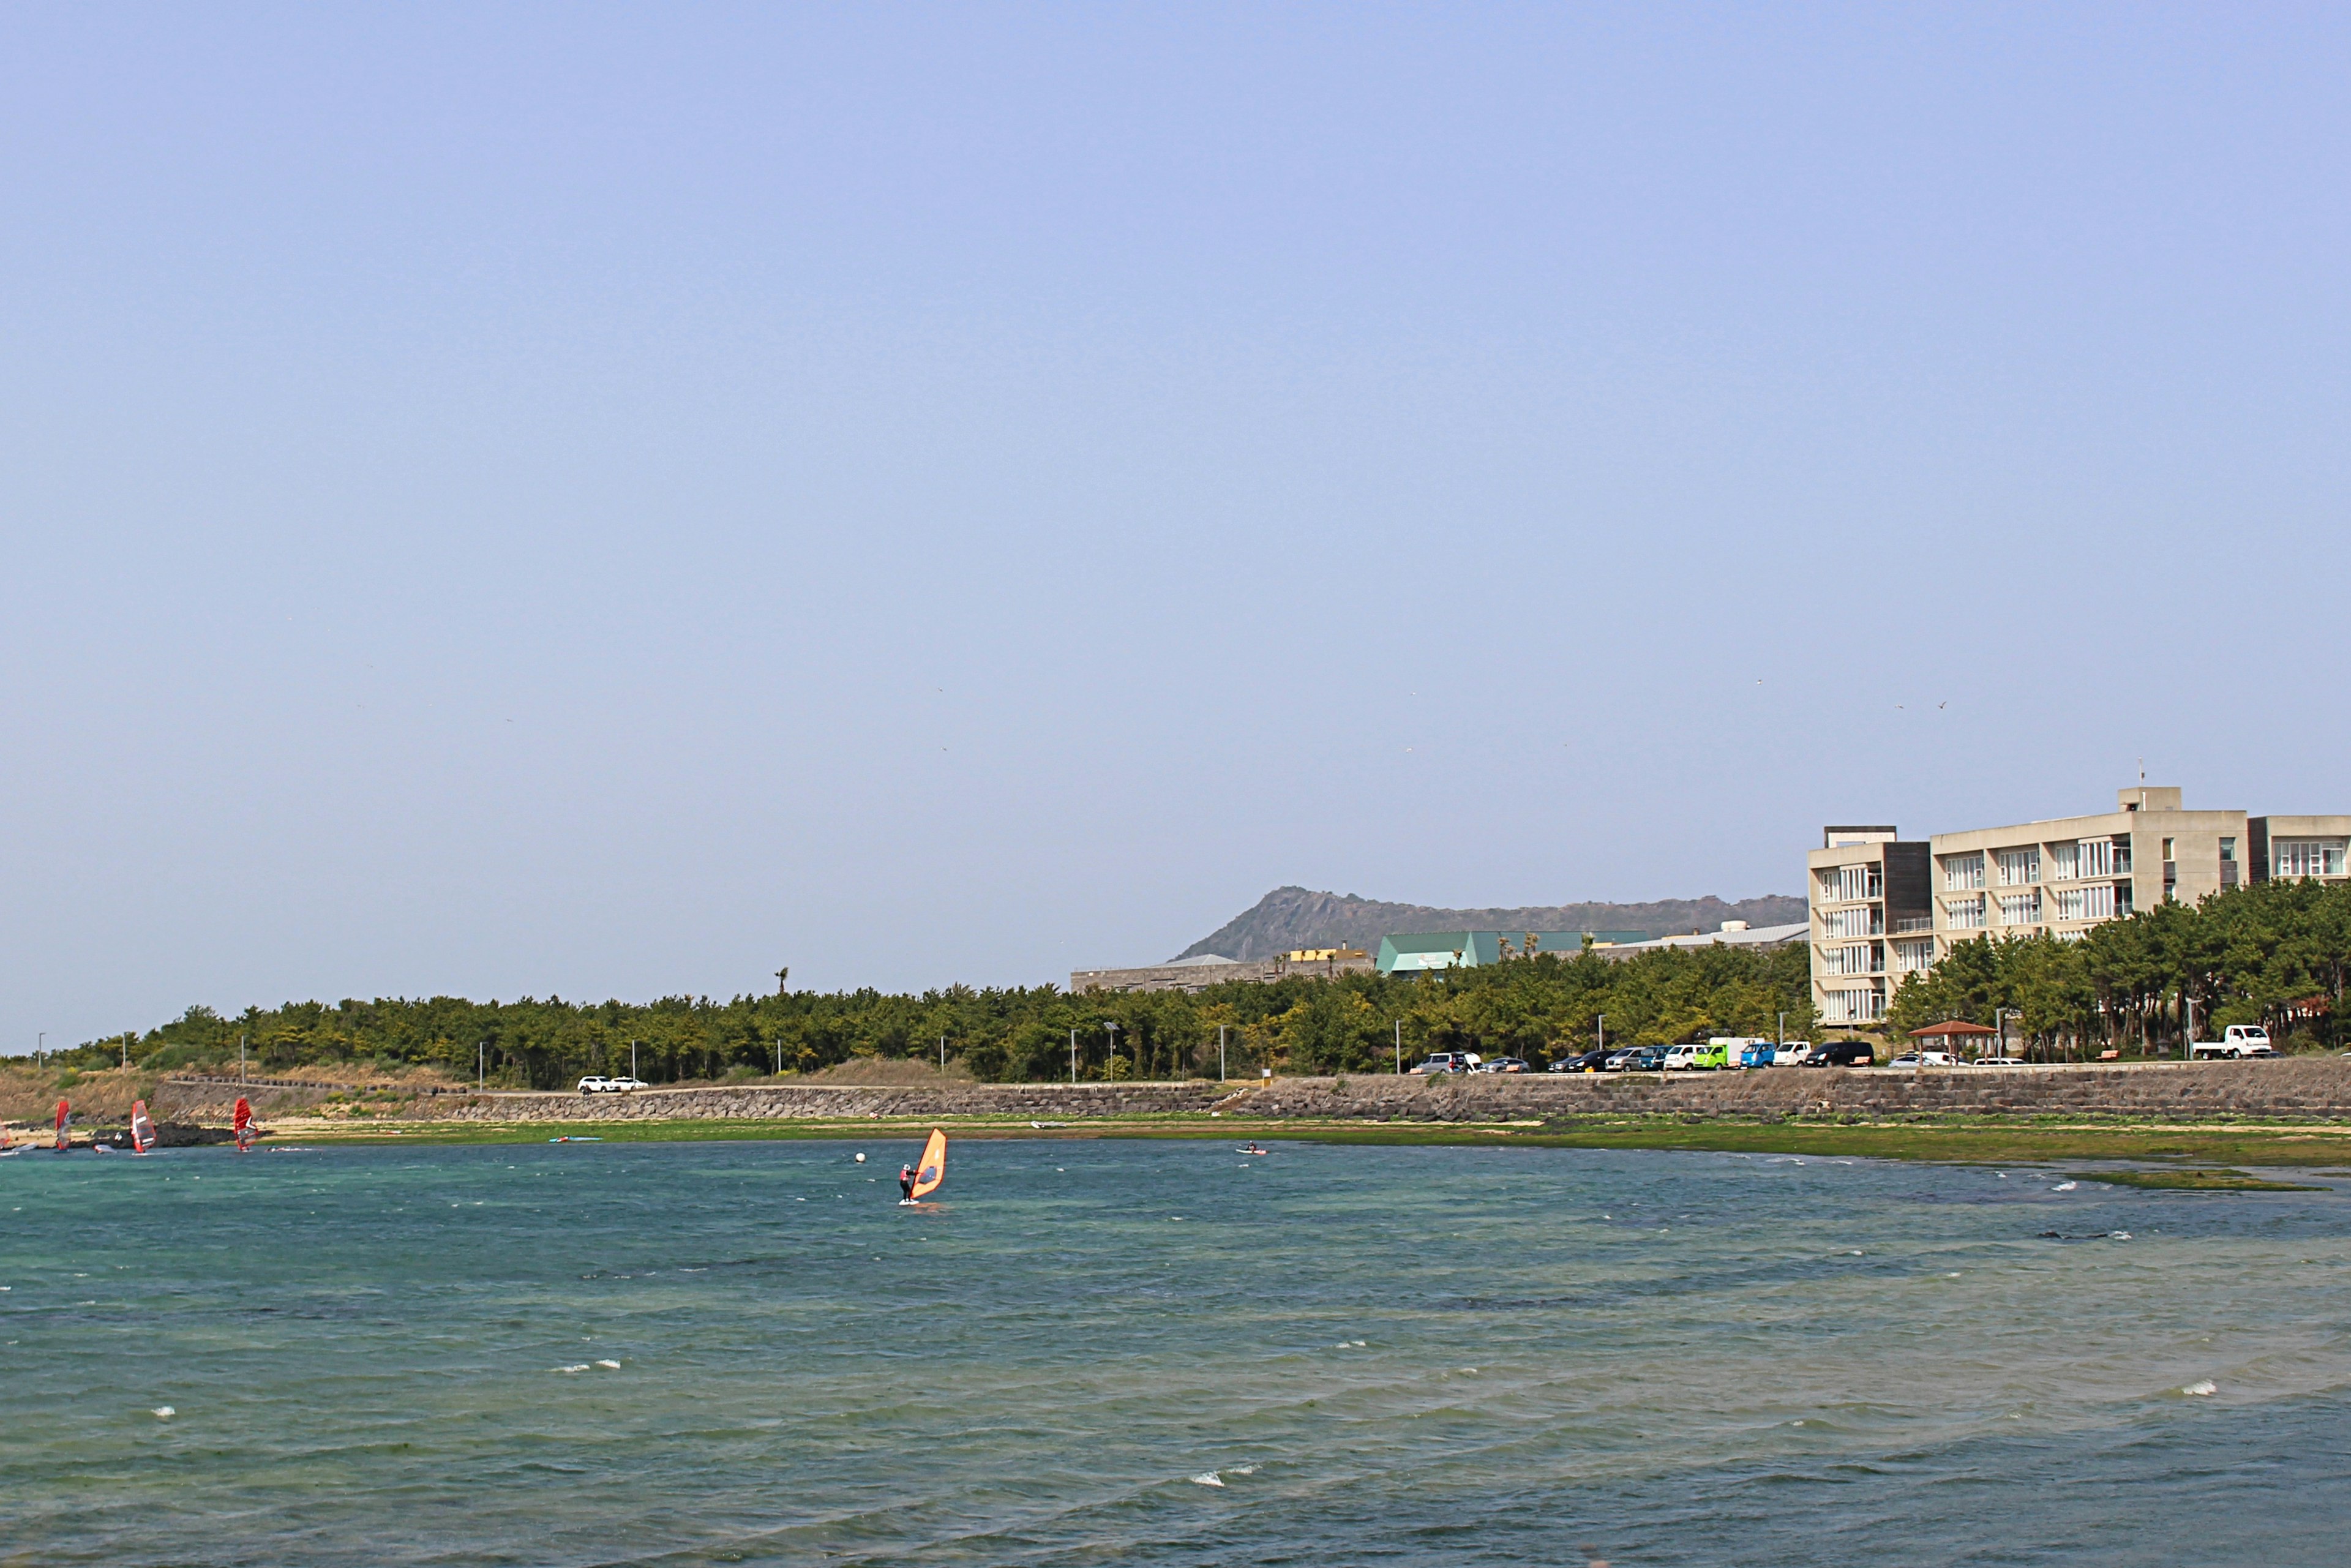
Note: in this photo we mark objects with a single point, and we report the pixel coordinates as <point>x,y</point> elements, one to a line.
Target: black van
<point>1841,1053</point>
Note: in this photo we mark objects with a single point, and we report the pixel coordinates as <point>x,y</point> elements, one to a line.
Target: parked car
<point>1640,1059</point>
<point>1683,1058</point>
<point>1446,1062</point>
<point>1792,1053</point>
<point>1761,1053</point>
<point>623,1085</point>
<point>1841,1054</point>
<point>1505,1064</point>
<point>2000,1062</point>
<point>1925,1058</point>
<point>2240,1040</point>
<point>1730,1051</point>
<point>595,1084</point>
<point>1590,1062</point>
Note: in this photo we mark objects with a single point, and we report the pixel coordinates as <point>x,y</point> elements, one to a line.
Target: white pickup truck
<point>2240,1040</point>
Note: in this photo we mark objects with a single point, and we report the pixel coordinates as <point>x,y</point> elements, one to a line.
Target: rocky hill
<point>1293,917</point>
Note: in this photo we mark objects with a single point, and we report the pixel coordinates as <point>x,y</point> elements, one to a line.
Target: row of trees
<point>2276,953</point>
<point>1533,1007</point>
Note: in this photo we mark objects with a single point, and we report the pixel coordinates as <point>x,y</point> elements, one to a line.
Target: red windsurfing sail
<point>244,1125</point>
<point>65,1120</point>
<point>142,1130</point>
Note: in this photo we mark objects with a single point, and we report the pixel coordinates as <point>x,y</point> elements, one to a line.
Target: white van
<point>1681,1057</point>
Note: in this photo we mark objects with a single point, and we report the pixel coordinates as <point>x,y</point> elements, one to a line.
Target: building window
<point>1963,872</point>
<point>2167,850</point>
<point>2093,903</point>
<point>1864,920</point>
<point>2065,862</point>
<point>2122,898</point>
<point>2020,908</point>
<point>2227,848</point>
<point>1909,957</point>
<point>2020,868</point>
<point>1861,958</point>
<point>1852,1007</point>
<point>2295,858</point>
<point>1852,883</point>
<point>1964,913</point>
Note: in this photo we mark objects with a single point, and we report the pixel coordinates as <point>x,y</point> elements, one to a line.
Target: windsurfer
<point>906,1181</point>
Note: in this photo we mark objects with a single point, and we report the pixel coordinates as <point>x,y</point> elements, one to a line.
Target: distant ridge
<point>1291,917</point>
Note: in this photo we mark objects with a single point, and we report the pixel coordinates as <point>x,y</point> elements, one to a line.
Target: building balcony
<point>1914,925</point>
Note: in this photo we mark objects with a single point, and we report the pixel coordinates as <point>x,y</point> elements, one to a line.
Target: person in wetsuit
<point>906,1181</point>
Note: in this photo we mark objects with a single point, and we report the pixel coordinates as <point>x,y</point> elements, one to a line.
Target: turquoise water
<point>1384,1355</point>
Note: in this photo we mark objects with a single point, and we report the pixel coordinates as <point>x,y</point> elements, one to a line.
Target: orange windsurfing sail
<point>934,1168</point>
<point>142,1130</point>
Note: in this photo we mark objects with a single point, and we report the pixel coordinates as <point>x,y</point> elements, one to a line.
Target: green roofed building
<point>1408,952</point>
<point>1572,941</point>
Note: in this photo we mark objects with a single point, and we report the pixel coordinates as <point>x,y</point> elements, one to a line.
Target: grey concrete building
<point>1883,907</point>
<point>1871,918</point>
<point>2287,849</point>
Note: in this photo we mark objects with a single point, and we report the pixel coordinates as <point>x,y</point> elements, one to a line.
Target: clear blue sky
<point>610,500</point>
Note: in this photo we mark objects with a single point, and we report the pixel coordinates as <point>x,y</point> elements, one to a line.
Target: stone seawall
<point>2310,1089</point>
<point>798,1101</point>
<point>2305,1089</point>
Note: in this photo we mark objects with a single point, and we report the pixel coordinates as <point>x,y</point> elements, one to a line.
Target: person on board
<point>906,1181</point>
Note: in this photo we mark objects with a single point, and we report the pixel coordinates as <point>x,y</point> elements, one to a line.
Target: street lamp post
<point>1110,1068</point>
<point>1073,1059</point>
<point>1221,1054</point>
<point>942,1056</point>
<point>1399,1047</point>
<point>2001,1017</point>
<point>481,1065</point>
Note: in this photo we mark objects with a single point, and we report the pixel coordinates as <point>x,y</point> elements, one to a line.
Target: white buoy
<point>861,1156</point>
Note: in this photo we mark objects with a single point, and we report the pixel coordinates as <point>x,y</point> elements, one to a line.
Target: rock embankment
<point>2312,1089</point>
<point>2307,1089</point>
<point>813,1101</point>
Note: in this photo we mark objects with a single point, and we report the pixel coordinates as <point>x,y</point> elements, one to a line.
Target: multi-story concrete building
<point>2287,849</point>
<point>1871,918</point>
<point>1883,908</point>
<point>2065,876</point>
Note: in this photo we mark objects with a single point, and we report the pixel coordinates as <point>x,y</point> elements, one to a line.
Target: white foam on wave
<point>2065,1187</point>
<point>1246,1471</point>
<point>1208,1478</point>
<point>164,1412</point>
<point>581,1367</point>
<point>613,1365</point>
<point>2202,1389</point>
<point>2118,1234</point>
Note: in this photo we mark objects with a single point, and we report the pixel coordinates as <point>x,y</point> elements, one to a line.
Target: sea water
<point>1103,1351</point>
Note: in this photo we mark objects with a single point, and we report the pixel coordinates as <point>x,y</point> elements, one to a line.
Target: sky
<point>612,501</point>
